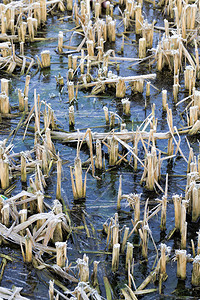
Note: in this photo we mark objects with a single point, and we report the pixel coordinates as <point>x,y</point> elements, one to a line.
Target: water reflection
<point>77,210</point>
<point>181,288</point>
<point>30,280</point>
<point>46,75</point>
<point>163,120</point>
<point>113,182</point>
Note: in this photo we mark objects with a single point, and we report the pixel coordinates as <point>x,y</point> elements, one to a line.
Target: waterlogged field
<point>89,215</point>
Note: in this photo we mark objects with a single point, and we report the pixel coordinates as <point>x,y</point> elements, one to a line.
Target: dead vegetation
<point>42,231</point>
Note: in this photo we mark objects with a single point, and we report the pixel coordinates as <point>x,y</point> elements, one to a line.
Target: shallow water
<point>101,196</point>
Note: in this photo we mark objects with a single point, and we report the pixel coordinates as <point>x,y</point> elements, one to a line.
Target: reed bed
<point>42,231</point>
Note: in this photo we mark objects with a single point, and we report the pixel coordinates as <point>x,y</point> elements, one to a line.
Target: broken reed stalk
<point>79,190</point>
<point>198,243</point>
<point>112,119</point>
<point>137,86</point>
<point>195,203</point>
<point>177,210</point>
<point>60,42</point>
<point>48,140</point>
<point>196,271</point>
<point>26,104</point>
<point>126,106</point>
<point>46,60</point>
<point>70,74</point>
<point>23,167</point>
<point>70,86</point>
<point>57,235</point>
<point>189,78</point>
<point>26,89</point>
<point>162,275</point>
<point>70,61</point>
<point>95,282</point>
<point>195,128</point>
<point>61,254</point>
<point>37,121</point>
<point>119,193</point>
<point>115,234</point>
<point>129,254</point>
<point>78,177</point>
<point>170,149</point>
<point>193,248</point>
<point>5,211</point>
<point>196,96</point>
<point>164,99</point>
<point>115,257</point>
<point>82,65</point>
<point>193,115</point>
<point>150,277</point>
<point>1,206</point>
<point>74,62</point>
<point>5,86</point>
<point>183,225</point>
<point>138,18</point>
<point>190,159</point>
<point>4,167</point>
<point>59,170</point>
<point>23,218</point>
<point>90,47</point>
<point>83,268</point>
<point>163,248</point>
<point>43,11</point>
<point>28,249</point>
<point>69,5</point>
<point>137,198</point>
<point>98,157</point>
<point>40,201</point>
<point>125,238</point>
<point>106,114</point>
<point>148,89</point>
<point>21,100</point>
<point>111,29</point>
<point>142,48</point>
<point>150,172</point>
<point>120,88</point>
<point>181,257</point>
<point>175,91</point>
<point>4,103</point>
<point>113,152</point>
<point>144,237</point>
<point>51,290</point>
<point>71,116</point>
<point>163,213</point>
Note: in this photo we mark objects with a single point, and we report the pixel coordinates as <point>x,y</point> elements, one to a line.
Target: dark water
<point>101,196</point>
